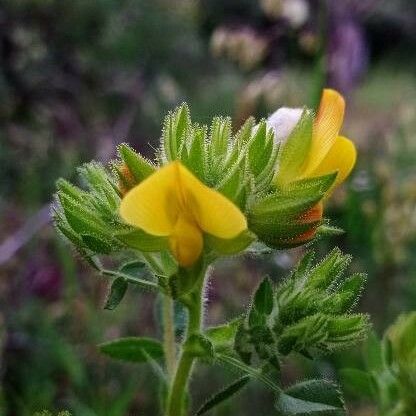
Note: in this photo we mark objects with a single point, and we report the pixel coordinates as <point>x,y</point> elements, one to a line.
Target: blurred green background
<point>78,77</point>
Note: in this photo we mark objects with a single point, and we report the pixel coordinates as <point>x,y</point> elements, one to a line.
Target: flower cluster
<point>213,194</point>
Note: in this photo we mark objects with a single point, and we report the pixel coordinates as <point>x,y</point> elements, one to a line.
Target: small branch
<point>252,372</point>
<point>131,279</point>
<point>169,335</point>
<point>179,383</point>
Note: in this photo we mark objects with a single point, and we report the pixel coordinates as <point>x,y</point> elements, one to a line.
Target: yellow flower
<point>173,203</point>
<point>330,152</point>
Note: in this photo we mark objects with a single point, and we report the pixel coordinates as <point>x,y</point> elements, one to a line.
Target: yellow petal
<point>186,242</point>
<point>212,211</point>
<point>153,205</point>
<point>341,158</point>
<point>327,125</point>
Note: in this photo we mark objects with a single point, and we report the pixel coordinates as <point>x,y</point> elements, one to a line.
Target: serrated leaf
<point>198,345</point>
<point>139,167</point>
<point>294,151</point>
<point>229,246</point>
<point>95,244</point>
<point>223,395</point>
<point>304,265</point>
<point>311,398</point>
<point>233,182</point>
<point>132,349</point>
<point>250,371</point>
<point>195,160</point>
<point>140,240</point>
<point>346,330</point>
<point>350,291</point>
<point>222,336</point>
<point>135,268</point>
<point>325,230</point>
<point>329,270</point>
<point>175,129</point>
<point>257,151</point>
<point>309,332</point>
<point>218,145</point>
<point>117,291</point>
<point>263,298</point>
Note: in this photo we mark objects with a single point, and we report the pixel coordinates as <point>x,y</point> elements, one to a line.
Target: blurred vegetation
<point>78,77</point>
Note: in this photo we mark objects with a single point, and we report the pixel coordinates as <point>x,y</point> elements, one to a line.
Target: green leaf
<point>198,345</point>
<point>132,349</point>
<point>220,135</point>
<point>329,270</point>
<point>223,395</point>
<point>311,398</point>
<point>310,186</point>
<point>308,332</point>
<point>229,246</point>
<point>304,266</point>
<point>250,371</point>
<point>350,291</point>
<point>135,268</point>
<point>295,150</point>
<point>374,353</point>
<point>222,336</point>
<point>258,152</point>
<point>357,381</point>
<point>95,244</point>
<point>139,167</point>
<point>197,151</point>
<point>117,291</point>
<point>326,230</point>
<point>140,240</point>
<point>235,183</point>
<point>175,128</point>
<point>346,330</point>
<point>263,298</point>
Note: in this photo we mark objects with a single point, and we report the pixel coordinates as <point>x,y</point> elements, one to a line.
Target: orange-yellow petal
<point>153,205</point>
<point>186,242</point>
<point>327,125</point>
<point>212,211</point>
<point>340,158</point>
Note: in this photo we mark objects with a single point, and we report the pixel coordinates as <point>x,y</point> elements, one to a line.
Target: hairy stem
<point>177,393</point>
<point>169,346</point>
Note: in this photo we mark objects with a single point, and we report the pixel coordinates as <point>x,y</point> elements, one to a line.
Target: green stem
<point>176,398</point>
<point>169,346</point>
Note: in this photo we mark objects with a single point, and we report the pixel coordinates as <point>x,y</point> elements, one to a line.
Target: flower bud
<point>126,179</point>
<point>312,216</point>
<point>283,121</point>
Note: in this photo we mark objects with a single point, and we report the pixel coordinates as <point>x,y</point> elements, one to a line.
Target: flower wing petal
<point>152,205</point>
<point>341,157</point>
<point>212,211</point>
<point>327,125</point>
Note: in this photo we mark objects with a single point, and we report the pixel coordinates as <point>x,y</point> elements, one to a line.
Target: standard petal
<point>327,125</point>
<point>212,211</point>
<point>186,242</point>
<point>153,205</point>
<point>283,121</point>
<point>341,158</point>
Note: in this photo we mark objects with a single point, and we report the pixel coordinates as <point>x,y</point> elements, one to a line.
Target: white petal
<point>283,121</point>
